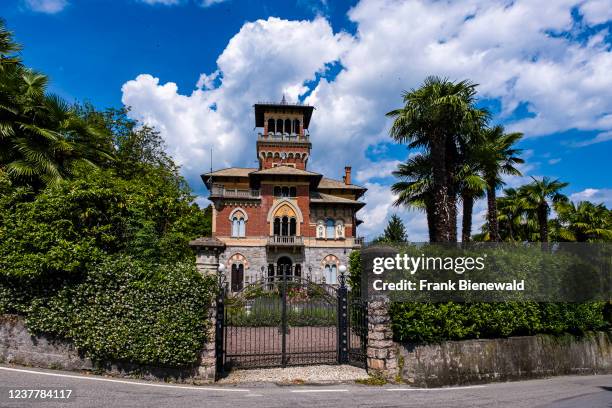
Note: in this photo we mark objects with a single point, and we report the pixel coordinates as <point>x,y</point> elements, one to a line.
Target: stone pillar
<point>207,251</point>
<point>207,369</point>
<point>381,350</point>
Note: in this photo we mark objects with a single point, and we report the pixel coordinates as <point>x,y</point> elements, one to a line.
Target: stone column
<point>381,350</point>
<point>207,251</point>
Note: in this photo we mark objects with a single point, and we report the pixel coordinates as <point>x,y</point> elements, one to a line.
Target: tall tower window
<point>271,126</point>
<point>287,126</point>
<point>277,226</point>
<point>296,126</point>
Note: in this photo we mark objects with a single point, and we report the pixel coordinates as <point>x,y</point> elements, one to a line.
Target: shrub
<point>127,311</point>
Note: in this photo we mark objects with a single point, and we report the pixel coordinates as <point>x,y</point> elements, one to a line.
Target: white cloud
<point>602,137</point>
<point>596,11</point>
<point>46,6</point>
<point>506,46</point>
<point>378,169</point>
<point>594,195</point>
<point>208,3</point>
<point>554,161</point>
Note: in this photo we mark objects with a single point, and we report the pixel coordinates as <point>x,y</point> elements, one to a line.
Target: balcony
<point>219,191</point>
<point>285,241</point>
<point>283,137</point>
<point>359,241</point>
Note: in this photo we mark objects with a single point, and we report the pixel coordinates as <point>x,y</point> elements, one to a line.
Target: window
<point>285,226</point>
<point>271,126</point>
<point>296,126</point>
<point>238,224</point>
<point>331,276</point>
<point>298,270</point>
<point>330,230</point>
<point>279,126</point>
<point>285,191</point>
<point>287,126</point>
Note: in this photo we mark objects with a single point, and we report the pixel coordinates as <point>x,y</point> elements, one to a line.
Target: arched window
<point>279,126</point>
<point>237,277</point>
<point>241,228</point>
<point>330,230</point>
<point>292,225</point>
<point>287,128</point>
<point>277,226</point>
<point>285,226</point>
<point>296,126</point>
<point>285,191</point>
<point>238,223</point>
<point>271,126</point>
<point>292,192</point>
<point>235,226</point>
<point>331,274</point>
<point>277,191</point>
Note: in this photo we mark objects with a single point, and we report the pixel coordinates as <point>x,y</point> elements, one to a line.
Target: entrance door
<point>284,266</point>
<point>237,277</point>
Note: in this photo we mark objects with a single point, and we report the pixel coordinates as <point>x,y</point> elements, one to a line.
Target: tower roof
<point>261,107</point>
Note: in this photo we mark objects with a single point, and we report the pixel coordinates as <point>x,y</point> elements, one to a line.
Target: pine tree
<point>394,232</point>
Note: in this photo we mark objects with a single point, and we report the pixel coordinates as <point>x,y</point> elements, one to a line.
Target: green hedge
<point>127,311</point>
<point>435,322</point>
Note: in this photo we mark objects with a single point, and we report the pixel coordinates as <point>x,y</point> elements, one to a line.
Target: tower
<point>284,139</point>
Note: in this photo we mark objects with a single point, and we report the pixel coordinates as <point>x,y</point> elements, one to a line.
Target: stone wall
<point>381,350</point>
<point>480,361</point>
<point>18,346</point>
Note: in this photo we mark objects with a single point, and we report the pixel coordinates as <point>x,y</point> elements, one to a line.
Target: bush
<point>436,322</point>
<point>127,311</point>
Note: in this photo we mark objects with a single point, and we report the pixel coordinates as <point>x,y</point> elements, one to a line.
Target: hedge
<point>435,322</point>
<point>125,310</point>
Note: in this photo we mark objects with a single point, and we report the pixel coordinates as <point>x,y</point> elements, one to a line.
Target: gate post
<point>284,318</point>
<point>220,324</point>
<point>343,355</point>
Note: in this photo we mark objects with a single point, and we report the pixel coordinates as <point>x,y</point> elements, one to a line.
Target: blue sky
<point>194,68</point>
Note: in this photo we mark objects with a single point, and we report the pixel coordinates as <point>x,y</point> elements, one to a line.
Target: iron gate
<point>284,320</point>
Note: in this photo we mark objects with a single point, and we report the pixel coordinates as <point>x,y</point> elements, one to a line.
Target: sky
<point>194,68</point>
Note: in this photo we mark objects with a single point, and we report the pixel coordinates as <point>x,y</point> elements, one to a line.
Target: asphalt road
<point>96,391</point>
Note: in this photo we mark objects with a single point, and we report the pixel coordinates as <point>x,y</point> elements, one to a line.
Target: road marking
<point>254,395</point>
<point>437,389</point>
<point>304,391</point>
<point>80,377</point>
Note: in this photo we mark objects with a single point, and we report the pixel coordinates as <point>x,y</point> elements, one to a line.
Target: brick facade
<point>282,212</point>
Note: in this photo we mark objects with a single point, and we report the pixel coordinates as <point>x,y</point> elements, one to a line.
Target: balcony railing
<point>281,240</point>
<point>282,137</point>
<point>221,191</point>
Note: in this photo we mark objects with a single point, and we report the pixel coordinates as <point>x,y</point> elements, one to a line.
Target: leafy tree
<point>42,139</point>
<point>394,232</point>
<point>415,188</point>
<point>536,196</point>
<point>582,222</point>
<point>439,117</point>
<point>497,156</point>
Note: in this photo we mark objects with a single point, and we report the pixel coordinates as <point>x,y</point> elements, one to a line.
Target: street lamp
<point>342,270</point>
<point>221,267</point>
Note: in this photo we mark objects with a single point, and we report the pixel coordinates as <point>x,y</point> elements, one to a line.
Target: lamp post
<point>342,270</point>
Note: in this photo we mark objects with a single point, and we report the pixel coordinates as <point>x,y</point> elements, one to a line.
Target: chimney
<point>347,175</point>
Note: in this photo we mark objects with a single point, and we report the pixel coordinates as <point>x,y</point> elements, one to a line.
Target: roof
<point>261,107</point>
<point>206,242</point>
<point>232,172</point>
<point>337,184</point>
<point>286,170</point>
<point>318,197</point>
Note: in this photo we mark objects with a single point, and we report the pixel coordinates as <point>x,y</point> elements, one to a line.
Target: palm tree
<point>42,139</point>
<point>536,196</point>
<point>583,222</point>
<point>436,117</point>
<point>497,157</point>
<point>415,188</point>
